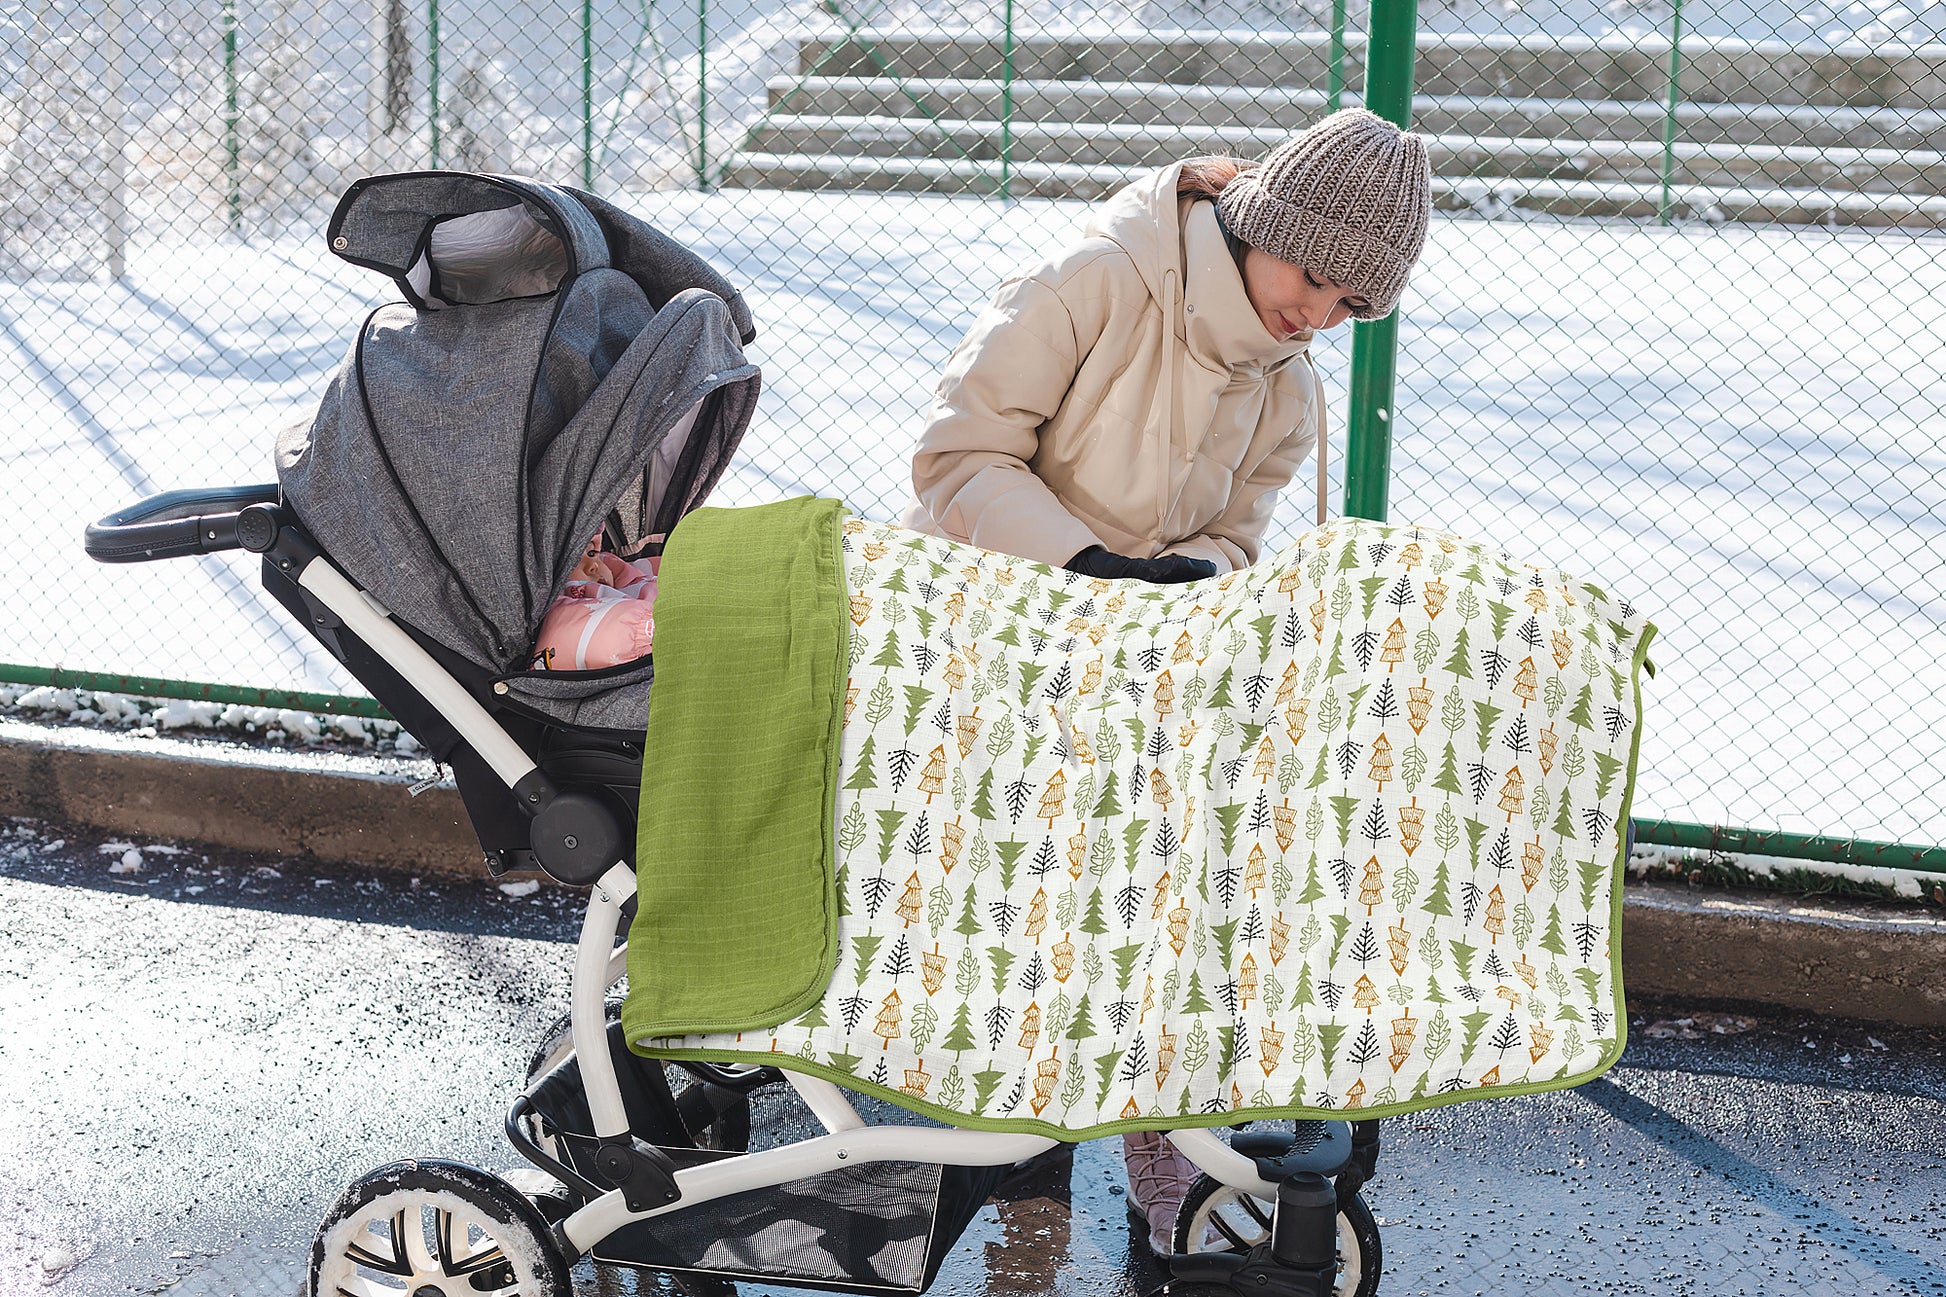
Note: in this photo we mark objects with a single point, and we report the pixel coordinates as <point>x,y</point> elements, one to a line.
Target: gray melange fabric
<point>464,454</point>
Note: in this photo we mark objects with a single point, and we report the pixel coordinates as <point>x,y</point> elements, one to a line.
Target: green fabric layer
<point>736,924</point>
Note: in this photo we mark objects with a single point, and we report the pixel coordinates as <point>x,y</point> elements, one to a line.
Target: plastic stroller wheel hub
<point>1216,1220</point>
<point>435,1229</point>
<point>577,836</point>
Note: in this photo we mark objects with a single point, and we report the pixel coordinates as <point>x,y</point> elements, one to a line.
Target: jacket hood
<point>1146,220</point>
<point>1220,325</point>
<point>1143,219</point>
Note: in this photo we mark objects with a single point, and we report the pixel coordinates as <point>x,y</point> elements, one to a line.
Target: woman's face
<point>1289,299</point>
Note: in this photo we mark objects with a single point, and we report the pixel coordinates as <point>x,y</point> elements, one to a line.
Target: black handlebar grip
<point>174,524</point>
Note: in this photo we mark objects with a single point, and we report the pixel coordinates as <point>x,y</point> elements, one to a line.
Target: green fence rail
<point>1681,324</point>
<point>191,690</point>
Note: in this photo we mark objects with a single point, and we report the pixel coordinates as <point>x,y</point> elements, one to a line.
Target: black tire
<point>1241,1221</point>
<point>434,1224</point>
<point>725,1131</point>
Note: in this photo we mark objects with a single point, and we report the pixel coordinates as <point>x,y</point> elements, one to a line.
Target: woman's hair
<point>1208,176</point>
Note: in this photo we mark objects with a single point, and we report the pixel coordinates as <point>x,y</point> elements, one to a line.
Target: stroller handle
<point>176,524</point>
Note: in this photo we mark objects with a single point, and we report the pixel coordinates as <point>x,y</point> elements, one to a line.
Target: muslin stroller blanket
<point>1032,851</point>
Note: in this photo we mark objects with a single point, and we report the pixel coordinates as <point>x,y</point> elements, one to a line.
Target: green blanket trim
<point>1640,664</point>
<point>737,917</point>
<point>1034,1126</point>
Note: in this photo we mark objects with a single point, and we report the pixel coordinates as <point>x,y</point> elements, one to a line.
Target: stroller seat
<point>558,369</point>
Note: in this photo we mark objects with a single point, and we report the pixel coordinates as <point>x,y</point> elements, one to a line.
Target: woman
<point>1132,406</point>
<point>1071,427</point>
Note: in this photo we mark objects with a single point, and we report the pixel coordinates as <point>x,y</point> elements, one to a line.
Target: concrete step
<point>751,169</point>
<point>1485,195</point>
<point>1713,69</point>
<point>1130,147</point>
<point>1283,109</point>
<point>1745,204</point>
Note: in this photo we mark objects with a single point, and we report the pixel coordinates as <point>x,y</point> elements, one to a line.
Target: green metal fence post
<point>1390,51</point>
<point>1007,105</point>
<point>432,75</point>
<point>115,141</point>
<point>1669,118</point>
<point>587,94</point>
<point>703,94</point>
<point>1334,85</point>
<point>232,116</point>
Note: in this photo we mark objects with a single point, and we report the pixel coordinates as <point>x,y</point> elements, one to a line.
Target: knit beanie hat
<point>1348,200</point>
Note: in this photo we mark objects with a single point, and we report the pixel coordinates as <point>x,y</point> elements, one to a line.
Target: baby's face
<point>589,568</point>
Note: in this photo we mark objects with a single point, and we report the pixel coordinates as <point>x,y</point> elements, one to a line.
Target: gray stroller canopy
<point>480,433</point>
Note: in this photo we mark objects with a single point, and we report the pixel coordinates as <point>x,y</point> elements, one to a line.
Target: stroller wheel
<point>1216,1218</point>
<point>421,1227</point>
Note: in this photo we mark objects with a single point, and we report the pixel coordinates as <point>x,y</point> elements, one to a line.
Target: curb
<point>348,808</point>
<point>1878,963</point>
<point>1875,963</point>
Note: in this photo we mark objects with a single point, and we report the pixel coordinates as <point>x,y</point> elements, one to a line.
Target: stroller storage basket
<point>881,1227</point>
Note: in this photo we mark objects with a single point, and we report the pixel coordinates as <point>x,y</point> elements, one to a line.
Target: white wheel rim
<point>418,1243</point>
<point>1232,1221</point>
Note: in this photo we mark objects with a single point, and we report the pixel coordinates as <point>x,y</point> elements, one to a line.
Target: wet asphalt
<point>199,1052</point>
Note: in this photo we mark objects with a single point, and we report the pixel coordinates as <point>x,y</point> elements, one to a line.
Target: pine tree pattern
<point>1194,851</point>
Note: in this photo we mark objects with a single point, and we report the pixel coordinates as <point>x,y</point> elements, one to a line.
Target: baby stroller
<point>420,528</point>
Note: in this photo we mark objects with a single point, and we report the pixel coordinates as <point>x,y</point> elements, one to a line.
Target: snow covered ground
<point>1740,429</point>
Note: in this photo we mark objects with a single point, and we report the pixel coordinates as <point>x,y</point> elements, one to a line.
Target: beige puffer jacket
<point>1071,417</point>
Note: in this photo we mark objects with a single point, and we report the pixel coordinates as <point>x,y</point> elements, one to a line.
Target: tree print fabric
<point>1341,831</point>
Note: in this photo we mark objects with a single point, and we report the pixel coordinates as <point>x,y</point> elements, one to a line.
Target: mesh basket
<point>881,1227</point>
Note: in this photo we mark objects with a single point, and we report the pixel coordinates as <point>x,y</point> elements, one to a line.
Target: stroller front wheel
<point>1216,1218</point>
<point>429,1226</point>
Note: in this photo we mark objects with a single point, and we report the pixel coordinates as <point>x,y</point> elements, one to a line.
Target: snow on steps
<point>1131,147</point>
<point>1276,107</point>
<point>1485,195</point>
<point>1845,134</point>
<point>1714,68</point>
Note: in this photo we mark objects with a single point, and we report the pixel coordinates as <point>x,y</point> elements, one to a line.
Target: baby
<point>605,615</point>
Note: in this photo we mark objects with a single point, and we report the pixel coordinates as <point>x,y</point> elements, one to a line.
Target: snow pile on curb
<point>156,715</point>
<point>1783,873</point>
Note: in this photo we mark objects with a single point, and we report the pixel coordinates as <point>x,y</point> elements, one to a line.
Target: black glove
<point>1166,569</point>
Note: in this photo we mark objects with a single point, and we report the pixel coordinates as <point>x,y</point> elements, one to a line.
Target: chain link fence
<point>1681,324</point>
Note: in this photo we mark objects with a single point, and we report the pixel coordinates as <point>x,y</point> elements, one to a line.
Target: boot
<point>1158,1177</point>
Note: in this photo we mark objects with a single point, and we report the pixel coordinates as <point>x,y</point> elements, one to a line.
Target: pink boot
<point>1158,1177</point>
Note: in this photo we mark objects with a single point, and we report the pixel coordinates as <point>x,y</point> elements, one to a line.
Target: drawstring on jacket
<point>1166,393</point>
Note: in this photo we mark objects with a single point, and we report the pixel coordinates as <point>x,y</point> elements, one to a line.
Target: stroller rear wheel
<point>1216,1218</point>
<point>427,1227</point>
